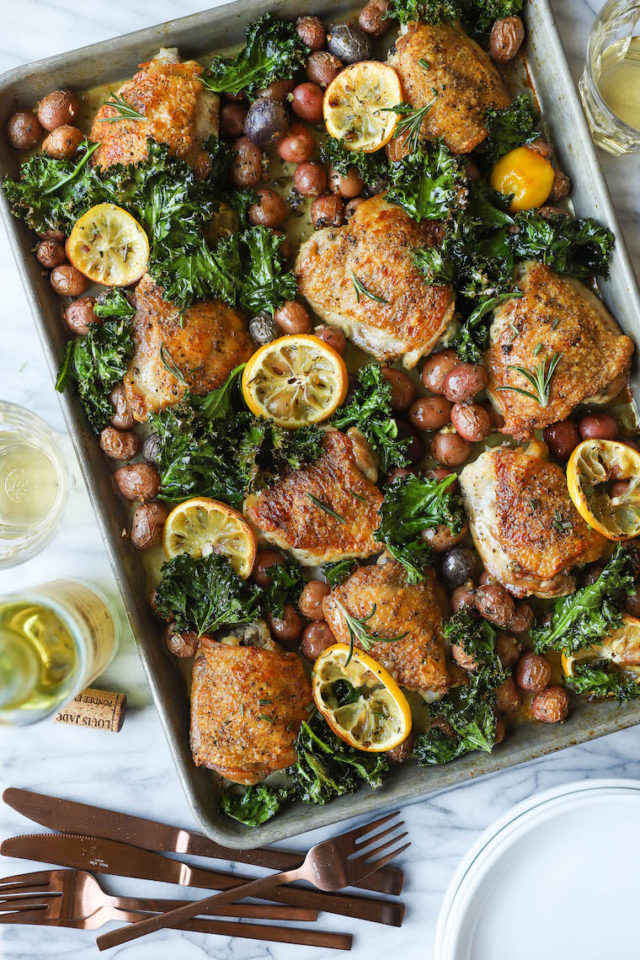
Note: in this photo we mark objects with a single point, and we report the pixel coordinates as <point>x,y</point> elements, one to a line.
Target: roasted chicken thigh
<point>204,342</point>
<point>556,315</point>
<point>176,110</point>
<point>247,704</point>
<point>524,525</point>
<point>393,607</point>
<point>325,511</point>
<point>404,315</point>
<point>440,64</point>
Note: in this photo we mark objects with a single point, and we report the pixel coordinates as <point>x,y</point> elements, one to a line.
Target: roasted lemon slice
<point>202,526</point>
<point>295,381</point>
<point>524,174</point>
<point>109,246</point>
<point>360,700</point>
<point>358,105</point>
<point>593,473</point>
<point>621,648</point>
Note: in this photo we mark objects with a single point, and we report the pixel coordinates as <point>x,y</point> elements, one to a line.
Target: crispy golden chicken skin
<point>288,513</point>
<point>460,80</point>
<point>524,525</point>
<point>417,610</point>
<point>376,247</point>
<point>205,342</point>
<point>247,705</point>
<point>564,317</point>
<point>177,110</point>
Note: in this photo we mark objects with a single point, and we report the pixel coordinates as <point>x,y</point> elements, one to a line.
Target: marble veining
<point>132,770</point>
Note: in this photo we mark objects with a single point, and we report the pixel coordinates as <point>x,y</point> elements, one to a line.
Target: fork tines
<point>368,847</point>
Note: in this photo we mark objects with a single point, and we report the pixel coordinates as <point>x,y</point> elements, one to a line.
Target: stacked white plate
<point>558,877</point>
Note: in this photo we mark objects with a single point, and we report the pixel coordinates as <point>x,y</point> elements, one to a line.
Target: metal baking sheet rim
<point>195,35</point>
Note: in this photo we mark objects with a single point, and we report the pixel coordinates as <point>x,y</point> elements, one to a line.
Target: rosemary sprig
<point>361,290</point>
<point>326,508</point>
<point>124,110</point>
<point>357,628</point>
<point>539,378</point>
<point>169,364</point>
<point>411,122</point>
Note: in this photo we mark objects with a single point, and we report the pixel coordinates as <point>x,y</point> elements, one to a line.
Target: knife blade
<point>124,860</point>
<point>68,816</point>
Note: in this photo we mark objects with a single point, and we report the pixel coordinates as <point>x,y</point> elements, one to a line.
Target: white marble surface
<point>133,770</point>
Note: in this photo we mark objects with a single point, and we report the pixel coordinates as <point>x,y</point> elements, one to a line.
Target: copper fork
<point>74,898</point>
<point>332,865</point>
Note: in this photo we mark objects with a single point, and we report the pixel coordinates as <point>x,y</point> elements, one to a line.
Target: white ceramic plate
<point>556,877</point>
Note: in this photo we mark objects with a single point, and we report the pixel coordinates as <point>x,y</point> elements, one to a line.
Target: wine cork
<point>98,709</point>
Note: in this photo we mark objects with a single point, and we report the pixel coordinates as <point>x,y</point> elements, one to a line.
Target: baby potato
<point>526,174</point>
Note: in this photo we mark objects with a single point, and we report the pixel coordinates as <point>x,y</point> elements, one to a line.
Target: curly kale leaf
<point>603,679</point>
<point>255,804</point>
<point>579,248</point>
<point>591,613</point>
<point>51,194</point>
<point>198,272</point>
<point>473,720</point>
<point>478,16</point>
<point>285,587</point>
<point>511,127</point>
<point>372,167</point>
<point>472,339</point>
<point>273,51</point>
<point>113,304</point>
<point>468,710</point>
<point>478,640</point>
<point>265,284</point>
<point>328,767</point>
<point>204,595</point>
<point>427,182</point>
<point>97,363</point>
<point>336,573</point>
<point>412,504</point>
<point>370,411</point>
<point>429,11</point>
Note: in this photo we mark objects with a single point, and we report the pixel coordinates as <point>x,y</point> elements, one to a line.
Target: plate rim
<point>526,810</point>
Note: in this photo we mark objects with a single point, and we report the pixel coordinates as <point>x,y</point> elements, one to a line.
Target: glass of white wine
<point>610,84</point>
<point>33,484</point>
<point>55,640</point>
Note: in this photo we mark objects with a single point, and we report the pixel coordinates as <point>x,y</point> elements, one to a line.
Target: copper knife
<point>124,860</point>
<point>67,816</point>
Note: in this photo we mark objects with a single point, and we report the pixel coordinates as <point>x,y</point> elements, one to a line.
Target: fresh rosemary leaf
<point>539,378</point>
<point>124,110</point>
<point>326,508</point>
<point>361,290</point>
<point>358,631</point>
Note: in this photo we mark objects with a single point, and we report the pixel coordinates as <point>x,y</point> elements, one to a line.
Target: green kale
<point>336,573</point>
<point>285,587</point>
<point>328,767</point>
<point>204,595</point>
<point>223,400</point>
<point>590,614</point>
<point>412,504</point>
<point>370,411</point>
<point>265,283</point>
<point>473,721</point>
<point>478,16</point>
<point>427,182</point>
<point>51,194</point>
<point>472,339</point>
<point>273,51</point>
<point>477,638</point>
<point>511,127</point>
<point>283,449</point>
<point>468,710</point>
<point>372,167</point>
<point>603,679</point>
<point>198,272</point>
<point>97,363</point>
<point>113,304</point>
<point>255,804</point>
<point>580,248</point>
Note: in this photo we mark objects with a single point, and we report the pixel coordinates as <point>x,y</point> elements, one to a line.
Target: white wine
<point>54,641</point>
<point>28,483</point>
<point>619,79</point>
